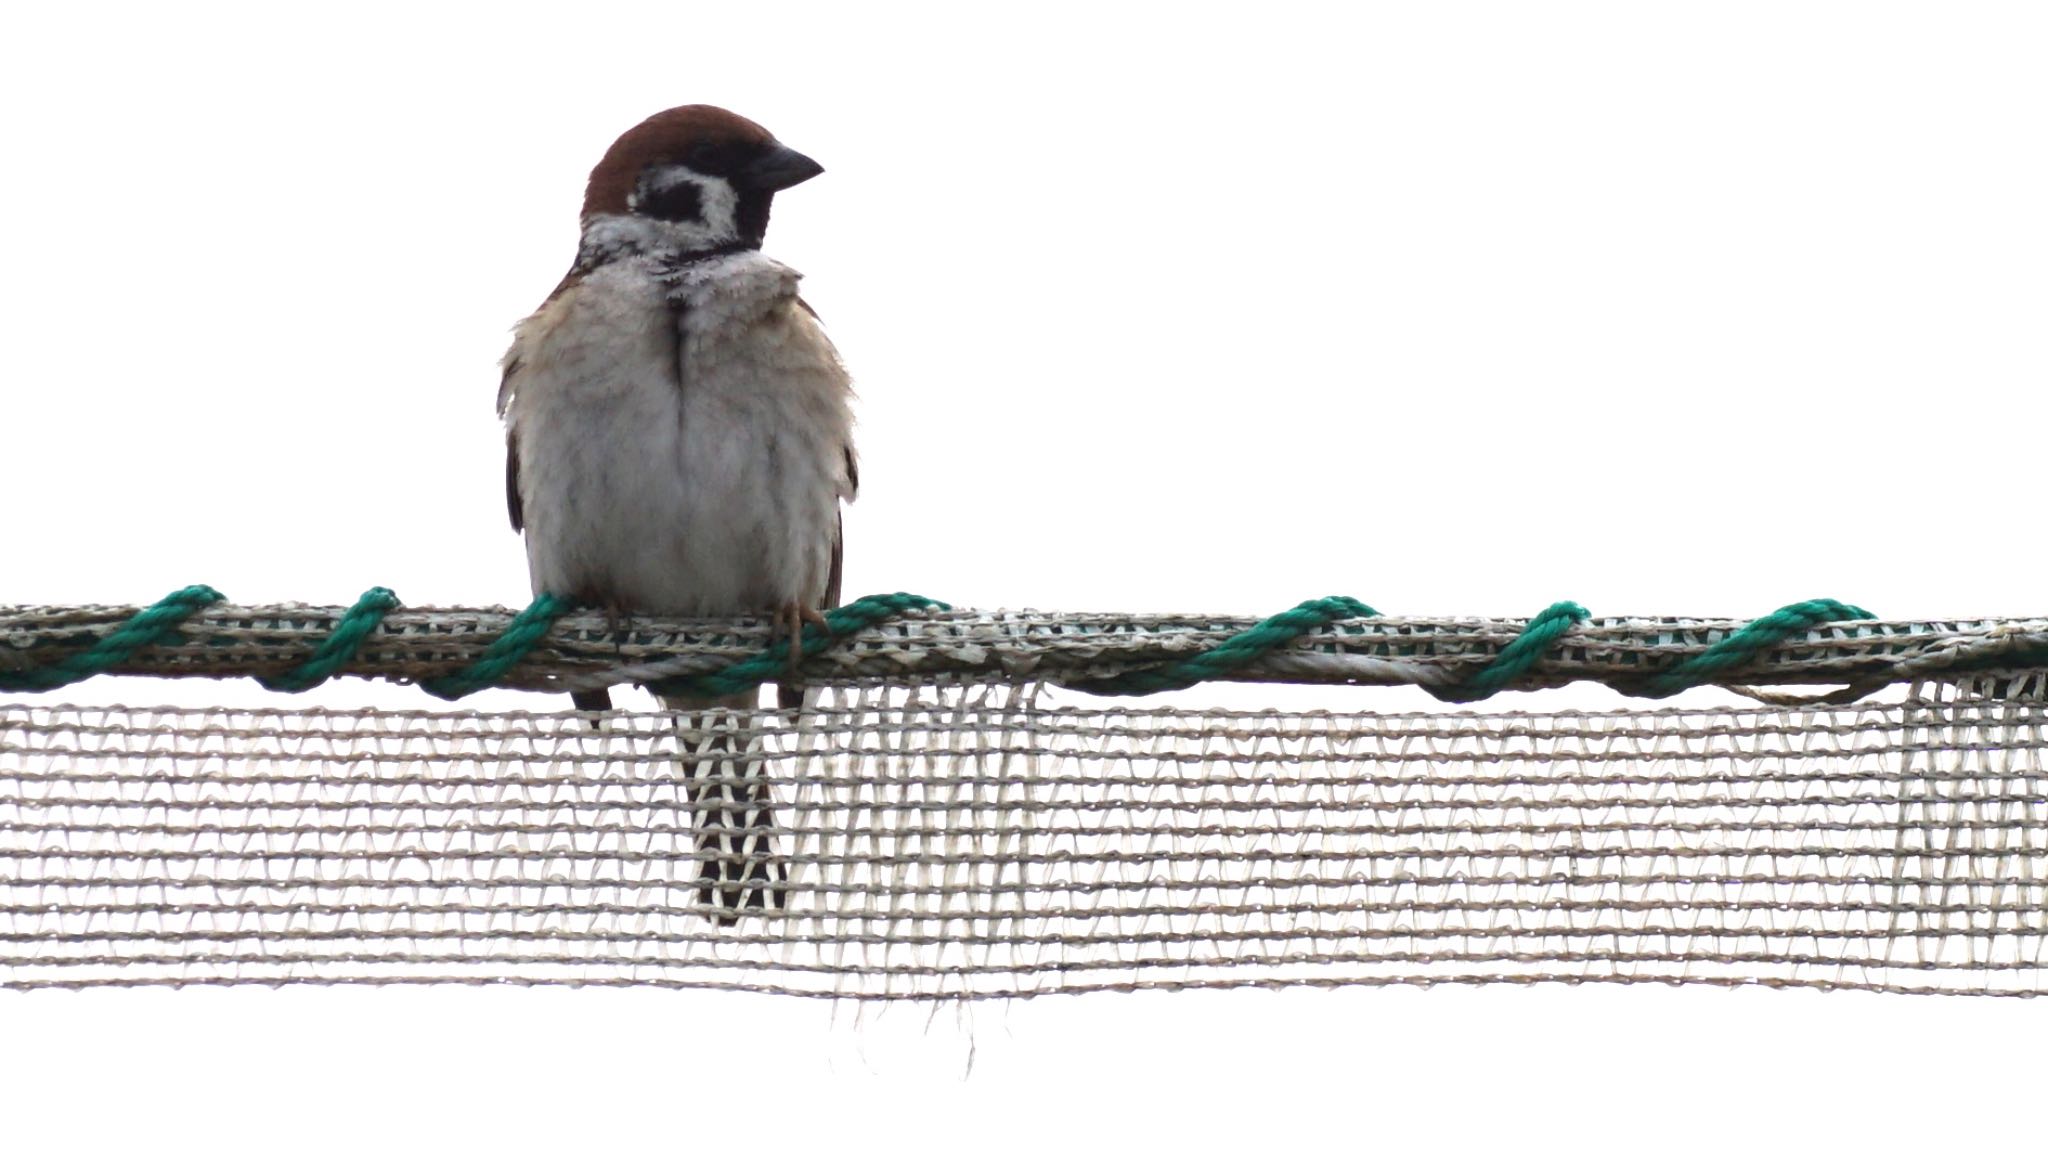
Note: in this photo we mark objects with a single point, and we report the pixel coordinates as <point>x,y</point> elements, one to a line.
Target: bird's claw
<point>787,621</point>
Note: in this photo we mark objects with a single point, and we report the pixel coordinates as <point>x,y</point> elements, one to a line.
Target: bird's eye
<point>708,157</point>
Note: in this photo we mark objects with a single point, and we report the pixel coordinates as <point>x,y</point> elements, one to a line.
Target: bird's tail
<point>729,791</point>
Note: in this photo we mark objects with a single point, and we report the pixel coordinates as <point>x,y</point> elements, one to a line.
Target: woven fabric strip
<point>968,842</point>
<point>585,650</point>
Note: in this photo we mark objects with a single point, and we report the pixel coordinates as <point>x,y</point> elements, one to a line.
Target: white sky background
<point>1459,309</point>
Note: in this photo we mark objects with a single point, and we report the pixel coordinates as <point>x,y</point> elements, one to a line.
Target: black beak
<point>778,168</point>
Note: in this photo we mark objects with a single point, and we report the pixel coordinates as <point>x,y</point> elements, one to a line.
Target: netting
<point>950,841</point>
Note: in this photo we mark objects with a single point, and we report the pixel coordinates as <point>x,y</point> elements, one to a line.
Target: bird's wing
<point>792,695</point>
<point>831,599</point>
<point>832,582</point>
<point>507,387</point>
<point>512,504</point>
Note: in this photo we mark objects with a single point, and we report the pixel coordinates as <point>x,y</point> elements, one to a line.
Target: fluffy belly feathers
<point>714,494</point>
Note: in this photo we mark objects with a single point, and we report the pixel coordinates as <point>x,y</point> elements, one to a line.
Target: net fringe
<point>972,842</point>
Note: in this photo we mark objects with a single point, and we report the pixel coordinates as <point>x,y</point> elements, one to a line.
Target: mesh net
<point>974,842</point>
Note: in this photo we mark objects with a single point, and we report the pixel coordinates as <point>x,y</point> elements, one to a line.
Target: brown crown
<point>662,139</point>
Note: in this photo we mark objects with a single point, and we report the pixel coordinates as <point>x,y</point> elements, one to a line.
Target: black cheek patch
<point>678,200</point>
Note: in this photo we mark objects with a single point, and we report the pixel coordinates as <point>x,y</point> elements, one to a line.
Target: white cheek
<point>718,206</point>
<point>721,207</point>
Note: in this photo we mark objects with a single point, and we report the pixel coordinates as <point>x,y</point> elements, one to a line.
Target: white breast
<point>713,494</point>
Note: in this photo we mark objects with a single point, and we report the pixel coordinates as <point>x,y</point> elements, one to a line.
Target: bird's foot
<point>787,621</point>
<point>600,699</point>
<point>615,625</point>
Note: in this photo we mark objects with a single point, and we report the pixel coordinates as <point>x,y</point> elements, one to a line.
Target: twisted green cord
<point>335,652</point>
<point>773,663</point>
<point>1521,653</point>
<point>157,623</point>
<point>1745,645</point>
<point>1232,653</point>
<point>527,628</point>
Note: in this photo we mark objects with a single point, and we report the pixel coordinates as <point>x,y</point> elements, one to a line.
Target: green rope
<point>1518,656</point>
<point>527,628</point>
<point>340,646</point>
<point>159,624</point>
<point>155,624</point>
<point>773,663</point>
<point>1745,645</point>
<point>1233,653</point>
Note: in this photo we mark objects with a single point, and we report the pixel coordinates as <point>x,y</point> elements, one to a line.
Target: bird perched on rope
<point>679,436</point>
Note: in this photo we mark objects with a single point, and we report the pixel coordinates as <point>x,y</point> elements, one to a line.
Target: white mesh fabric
<point>969,842</point>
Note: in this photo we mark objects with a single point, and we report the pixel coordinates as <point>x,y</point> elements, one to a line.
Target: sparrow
<point>679,438</point>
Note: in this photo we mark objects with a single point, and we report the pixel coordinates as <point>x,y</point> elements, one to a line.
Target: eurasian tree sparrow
<point>679,433</point>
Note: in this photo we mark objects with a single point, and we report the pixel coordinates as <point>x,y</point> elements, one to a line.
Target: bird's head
<point>699,176</point>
